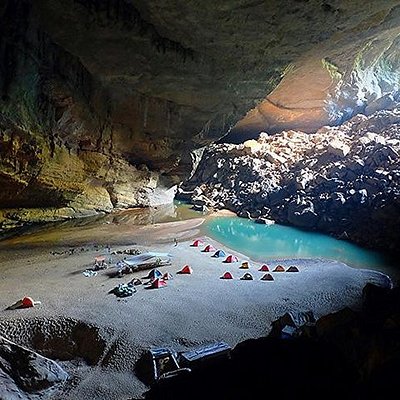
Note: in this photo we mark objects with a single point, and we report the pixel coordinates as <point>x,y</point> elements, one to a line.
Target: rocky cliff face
<point>341,180</point>
<point>102,101</point>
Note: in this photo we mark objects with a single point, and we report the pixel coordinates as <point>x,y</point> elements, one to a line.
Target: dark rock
<point>302,215</point>
<point>24,371</point>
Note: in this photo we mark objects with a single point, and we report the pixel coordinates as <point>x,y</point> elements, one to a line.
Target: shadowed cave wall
<point>103,102</point>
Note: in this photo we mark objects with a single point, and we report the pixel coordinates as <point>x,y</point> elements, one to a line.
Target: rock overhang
<point>119,93</point>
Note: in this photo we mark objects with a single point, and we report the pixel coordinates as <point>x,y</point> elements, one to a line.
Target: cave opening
<point>178,177</point>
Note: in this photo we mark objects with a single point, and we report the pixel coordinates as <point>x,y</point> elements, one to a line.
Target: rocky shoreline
<point>343,180</point>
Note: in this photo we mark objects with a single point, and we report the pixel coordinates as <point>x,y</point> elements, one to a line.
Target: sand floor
<point>191,310</point>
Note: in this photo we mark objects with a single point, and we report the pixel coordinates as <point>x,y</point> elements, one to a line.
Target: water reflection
<point>176,211</point>
<point>263,242</point>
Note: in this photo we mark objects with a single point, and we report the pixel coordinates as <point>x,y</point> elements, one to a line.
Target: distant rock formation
<point>341,180</point>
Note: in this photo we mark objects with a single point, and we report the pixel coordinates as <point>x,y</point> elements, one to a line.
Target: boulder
<point>302,215</point>
<point>24,372</point>
<point>338,148</point>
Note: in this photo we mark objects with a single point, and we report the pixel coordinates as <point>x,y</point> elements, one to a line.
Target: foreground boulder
<point>348,354</point>
<point>24,373</point>
<point>341,180</point>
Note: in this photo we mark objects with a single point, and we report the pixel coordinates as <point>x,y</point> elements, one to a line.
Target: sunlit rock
<point>347,182</point>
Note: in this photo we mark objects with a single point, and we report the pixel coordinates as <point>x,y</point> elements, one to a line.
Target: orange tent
<point>185,270</point>
<point>267,277</point>
<point>245,265</point>
<point>292,268</point>
<point>231,259</point>
<point>279,268</point>
<point>264,268</point>
<point>226,275</point>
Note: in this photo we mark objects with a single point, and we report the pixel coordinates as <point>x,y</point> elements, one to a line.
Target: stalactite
<point>146,108</point>
<point>122,11</point>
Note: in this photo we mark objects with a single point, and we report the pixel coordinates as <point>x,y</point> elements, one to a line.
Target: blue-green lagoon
<point>271,242</point>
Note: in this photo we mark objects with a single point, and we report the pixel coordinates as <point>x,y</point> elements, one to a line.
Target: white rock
<point>338,148</point>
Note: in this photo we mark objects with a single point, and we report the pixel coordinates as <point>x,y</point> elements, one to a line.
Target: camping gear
<point>135,282</point>
<point>167,276</point>
<point>202,355</point>
<point>226,275</point>
<point>208,248</point>
<point>146,260</point>
<point>124,271</point>
<point>231,259</point>
<point>197,243</point>
<point>245,265</point>
<point>247,277</point>
<point>158,283</point>
<point>267,277</point>
<point>123,290</point>
<point>299,320</point>
<point>288,332</point>
<point>264,268</point>
<point>89,273</point>
<point>292,268</point>
<point>100,263</point>
<point>185,270</point>
<point>25,302</point>
<point>219,253</point>
<point>154,274</point>
<point>164,365</point>
<point>279,268</point>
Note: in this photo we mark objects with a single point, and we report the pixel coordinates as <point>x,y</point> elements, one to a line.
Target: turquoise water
<point>269,242</point>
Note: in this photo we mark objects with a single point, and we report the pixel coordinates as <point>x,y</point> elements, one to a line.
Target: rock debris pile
<point>342,180</point>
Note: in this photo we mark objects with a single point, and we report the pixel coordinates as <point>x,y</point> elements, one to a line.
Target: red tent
<point>264,268</point>
<point>185,270</point>
<point>227,275</point>
<point>292,268</point>
<point>208,248</point>
<point>27,302</point>
<point>158,283</point>
<point>167,276</point>
<point>231,259</point>
<point>267,277</point>
<point>279,268</point>
<point>197,243</point>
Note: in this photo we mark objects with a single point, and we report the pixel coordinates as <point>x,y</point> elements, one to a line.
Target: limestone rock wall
<point>341,180</point>
<point>102,102</point>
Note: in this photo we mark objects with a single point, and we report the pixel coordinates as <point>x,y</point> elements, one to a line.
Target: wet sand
<point>191,310</point>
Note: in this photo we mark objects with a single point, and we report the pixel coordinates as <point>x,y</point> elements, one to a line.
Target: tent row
<point>233,259</point>
<point>248,277</point>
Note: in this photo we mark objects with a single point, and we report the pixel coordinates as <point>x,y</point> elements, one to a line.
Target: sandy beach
<point>193,309</point>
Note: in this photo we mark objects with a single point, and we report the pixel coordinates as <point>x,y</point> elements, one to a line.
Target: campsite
<point>188,306</point>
